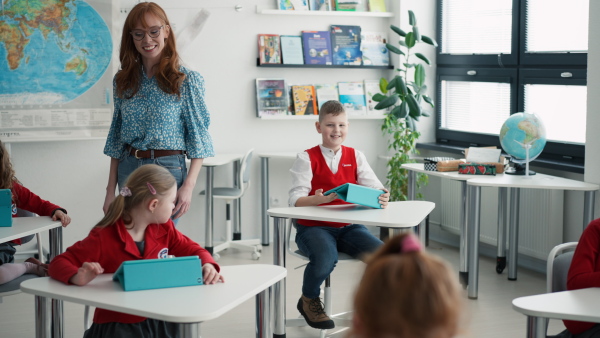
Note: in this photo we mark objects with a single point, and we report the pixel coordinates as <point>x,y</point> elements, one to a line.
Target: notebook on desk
<point>146,274</point>
<point>358,194</point>
<point>5,208</point>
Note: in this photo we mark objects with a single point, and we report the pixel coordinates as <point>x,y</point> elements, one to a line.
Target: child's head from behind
<point>7,173</point>
<point>407,293</point>
<point>333,124</point>
<point>149,187</point>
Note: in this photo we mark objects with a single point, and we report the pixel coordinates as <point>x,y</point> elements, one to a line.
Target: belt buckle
<point>136,155</point>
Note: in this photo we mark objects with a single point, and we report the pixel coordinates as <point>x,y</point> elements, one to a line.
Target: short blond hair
<point>331,107</point>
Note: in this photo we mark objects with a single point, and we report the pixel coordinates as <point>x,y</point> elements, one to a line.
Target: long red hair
<point>167,72</point>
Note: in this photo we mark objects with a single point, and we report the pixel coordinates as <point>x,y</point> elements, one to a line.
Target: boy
<point>315,171</point>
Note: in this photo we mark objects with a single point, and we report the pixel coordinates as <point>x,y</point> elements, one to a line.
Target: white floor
<point>489,316</point>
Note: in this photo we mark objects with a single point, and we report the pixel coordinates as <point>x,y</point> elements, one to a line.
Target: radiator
<point>540,217</point>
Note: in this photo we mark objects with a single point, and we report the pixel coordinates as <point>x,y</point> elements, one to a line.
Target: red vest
<point>324,178</point>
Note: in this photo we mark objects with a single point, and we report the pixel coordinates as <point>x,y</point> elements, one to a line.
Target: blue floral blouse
<point>153,119</point>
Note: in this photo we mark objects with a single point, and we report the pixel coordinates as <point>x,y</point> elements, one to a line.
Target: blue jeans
<point>174,163</point>
<point>321,244</point>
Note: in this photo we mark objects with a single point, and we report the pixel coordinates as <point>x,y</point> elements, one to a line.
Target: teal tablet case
<point>353,193</point>
<point>146,274</point>
<point>5,208</point>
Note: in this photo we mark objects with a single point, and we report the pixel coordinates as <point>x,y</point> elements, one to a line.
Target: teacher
<point>160,114</point>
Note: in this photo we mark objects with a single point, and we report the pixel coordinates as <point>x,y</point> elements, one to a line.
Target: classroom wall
<point>73,174</point>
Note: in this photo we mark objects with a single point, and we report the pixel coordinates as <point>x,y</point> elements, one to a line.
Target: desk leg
<point>463,271</point>
<point>237,204</point>
<point>589,202</point>
<point>536,327</point>
<point>279,235</point>
<point>189,330</point>
<point>56,247</point>
<point>501,243</point>
<point>412,185</point>
<point>473,239</point>
<point>209,210</point>
<point>263,314</point>
<point>264,180</point>
<point>513,233</point>
<point>43,326</point>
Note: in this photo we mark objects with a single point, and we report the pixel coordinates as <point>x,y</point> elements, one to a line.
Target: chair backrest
<point>245,172</point>
<point>557,266</point>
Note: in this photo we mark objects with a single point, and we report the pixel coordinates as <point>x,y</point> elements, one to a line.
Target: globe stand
<point>519,169</point>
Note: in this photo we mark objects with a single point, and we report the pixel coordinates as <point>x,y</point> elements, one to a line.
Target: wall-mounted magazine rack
<point>271,11</point>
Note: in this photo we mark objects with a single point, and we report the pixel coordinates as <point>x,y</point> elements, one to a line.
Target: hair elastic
<point>151,188</point>
<point>410,243</point>
<point>125,192</point>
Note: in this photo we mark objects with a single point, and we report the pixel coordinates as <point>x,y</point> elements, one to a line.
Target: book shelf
<point>281,65</point>
<point>270,11</point>
<point>315,117</point>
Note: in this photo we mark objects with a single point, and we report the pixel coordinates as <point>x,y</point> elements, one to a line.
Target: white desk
<point>581,305</point>
<point>264,180</point>
<point>25,226</point>
<point>210,163</point>
<point>397,215</point>
<point>188,306</point>
<point>514,183</point>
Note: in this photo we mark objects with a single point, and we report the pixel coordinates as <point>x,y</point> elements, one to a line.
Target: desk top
<point>581,305</point>
<point>221,159</point>
<point>191,304</point>
<point>278,154</point>
<point>453,175</point>
<point>397,215</point>
<point>25,226</point>
<point>538,181</point>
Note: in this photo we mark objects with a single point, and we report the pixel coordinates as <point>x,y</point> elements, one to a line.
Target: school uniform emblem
<point>163,253</point>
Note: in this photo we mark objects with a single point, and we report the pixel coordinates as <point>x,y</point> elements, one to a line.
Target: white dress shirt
<point>302,173</point>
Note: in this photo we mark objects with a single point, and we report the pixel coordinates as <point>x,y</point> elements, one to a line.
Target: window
<point>497,58</point>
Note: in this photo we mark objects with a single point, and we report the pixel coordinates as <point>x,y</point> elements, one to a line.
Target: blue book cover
<point>317,47</point>
<point>345,43</point>
<point>319,5</point>
<point>358,194</point>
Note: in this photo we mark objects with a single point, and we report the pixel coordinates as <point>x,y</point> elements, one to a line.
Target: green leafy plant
<point>404,99</point>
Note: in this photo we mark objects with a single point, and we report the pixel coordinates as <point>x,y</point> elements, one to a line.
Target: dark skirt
<point>7,253</point>
<point>149,328</point>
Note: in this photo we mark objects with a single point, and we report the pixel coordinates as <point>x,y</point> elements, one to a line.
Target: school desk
<point>397,215</point>
<point>580,305</point>
<point>189,306</point>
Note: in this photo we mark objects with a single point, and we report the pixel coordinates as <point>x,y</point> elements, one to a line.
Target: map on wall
<point>54,57</point>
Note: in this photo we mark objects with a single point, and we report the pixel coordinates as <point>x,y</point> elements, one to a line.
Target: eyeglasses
<point>139,34</point>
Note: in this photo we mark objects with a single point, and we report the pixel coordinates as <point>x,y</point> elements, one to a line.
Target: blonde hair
<point>407,295</point>
<point>7,173</point>
<point>332,107</point>
<point>137,182</point>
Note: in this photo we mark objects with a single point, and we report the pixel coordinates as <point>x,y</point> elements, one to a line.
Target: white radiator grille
<point>540,222</point>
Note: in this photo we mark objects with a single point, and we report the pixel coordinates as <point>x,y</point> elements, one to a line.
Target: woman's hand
<point>384,199</point>
<point>86,273</point>
<point>64,218</point>
<point>211,276</point>
<point>107,201</point>
<point>184,198</point>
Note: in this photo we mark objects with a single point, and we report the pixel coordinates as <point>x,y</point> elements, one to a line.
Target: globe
<point>520,132</point>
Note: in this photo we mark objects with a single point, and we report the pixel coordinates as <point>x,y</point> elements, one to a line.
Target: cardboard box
<point>449,165</point>
<point>477,169</point>
<point>430,163</point>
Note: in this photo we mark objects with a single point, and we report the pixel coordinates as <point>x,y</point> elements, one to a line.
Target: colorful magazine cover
<point>374,51</point>
<point>294,5</point>
<point>268,49</point>
<point>271,97</point>
<point>317,47</point>
<point>304,100</point>
<point>352,96</point>
<point>345,43</point>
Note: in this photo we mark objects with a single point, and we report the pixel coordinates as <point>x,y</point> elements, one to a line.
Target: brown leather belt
<point>157,153</point>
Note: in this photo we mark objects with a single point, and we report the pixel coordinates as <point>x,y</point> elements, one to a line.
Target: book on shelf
<point>374,51</point>
<point>372,88</point>
<point>271,97</point>
<point>352,97</point>
<point>345,45</point>
<point>317,47</point>
<point>349,5</point>
<point>269,51</point>
<point>293,5</point>
<point>377,6</point>
<point>291,50</point>
<point>319,5</point>
<point>326,92</point>
<point>305,102</point>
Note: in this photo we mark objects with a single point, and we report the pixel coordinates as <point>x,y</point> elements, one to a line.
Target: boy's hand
<point>64,218</point>
<point>384,198</point>
<point>86,273</point>
<point>325,199</point>
<point>211,276</point>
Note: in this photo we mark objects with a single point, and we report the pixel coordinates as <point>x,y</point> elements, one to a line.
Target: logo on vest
<point>346,165</point>
<point>163,253</point>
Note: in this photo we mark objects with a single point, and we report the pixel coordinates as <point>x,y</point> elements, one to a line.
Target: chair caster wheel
<point>500,264</point>
<point>216,256</point>
<point>255,255</point>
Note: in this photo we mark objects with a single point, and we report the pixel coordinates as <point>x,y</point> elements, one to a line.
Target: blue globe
<point>519,131</point>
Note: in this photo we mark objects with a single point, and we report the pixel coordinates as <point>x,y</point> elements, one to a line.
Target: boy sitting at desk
<point>315,171</point>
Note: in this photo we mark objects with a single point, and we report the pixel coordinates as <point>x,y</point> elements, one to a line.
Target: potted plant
<point>404,98</point>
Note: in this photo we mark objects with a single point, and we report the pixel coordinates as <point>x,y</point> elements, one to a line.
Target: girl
<point>151,86</point>
<point>23,199</point>
<point>406,293</point>
<point>136,226</point>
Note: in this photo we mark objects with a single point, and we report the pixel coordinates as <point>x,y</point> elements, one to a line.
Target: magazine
<point>326,92</point>
<point>345,44</point>
<point>268,49</point>
<point>305,102</point>
<point>271,97</point>
<point>291,50</point>
<point>374,51</point>
<point>317,47</point>
<point>352,96</point>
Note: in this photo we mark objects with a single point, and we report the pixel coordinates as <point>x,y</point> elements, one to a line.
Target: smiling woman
<point>160,115</point>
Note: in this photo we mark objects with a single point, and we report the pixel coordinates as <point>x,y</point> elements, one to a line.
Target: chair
<point>338,318</point>
<point>557,269</point>
<point>230,194</point>
<point>13,287</point>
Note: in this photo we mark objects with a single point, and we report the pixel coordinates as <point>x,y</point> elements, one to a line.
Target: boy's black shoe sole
<point>325,325</point>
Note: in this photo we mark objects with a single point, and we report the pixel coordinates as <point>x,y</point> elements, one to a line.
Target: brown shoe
<point>313,312</point>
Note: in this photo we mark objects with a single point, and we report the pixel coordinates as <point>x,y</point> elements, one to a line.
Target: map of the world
<point>51,51</point>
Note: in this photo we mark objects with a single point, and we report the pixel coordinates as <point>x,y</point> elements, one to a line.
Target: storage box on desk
<point>431,162</point>
<point>146,274</point>
<point>449,165</point>
<point>477,169</point>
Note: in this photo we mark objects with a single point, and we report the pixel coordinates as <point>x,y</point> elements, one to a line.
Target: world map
<point>51,51</point>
